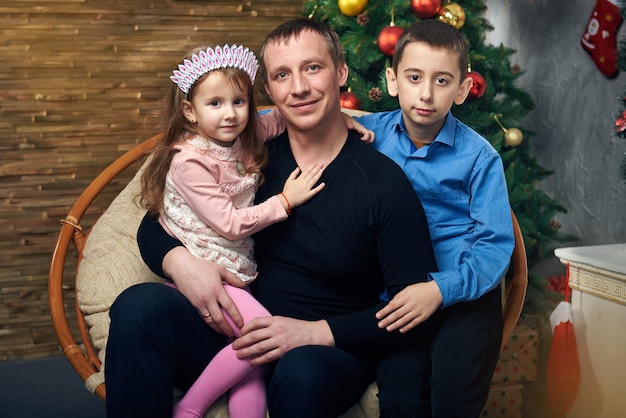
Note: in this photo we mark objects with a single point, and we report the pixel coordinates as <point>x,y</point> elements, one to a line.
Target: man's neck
<point>320,145</point>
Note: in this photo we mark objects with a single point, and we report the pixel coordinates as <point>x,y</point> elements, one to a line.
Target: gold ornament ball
<point>452,14</point>
<point>513,137</point>
<point>351,7</point>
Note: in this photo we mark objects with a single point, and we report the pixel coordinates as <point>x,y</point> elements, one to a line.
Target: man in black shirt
<point>320,272</point>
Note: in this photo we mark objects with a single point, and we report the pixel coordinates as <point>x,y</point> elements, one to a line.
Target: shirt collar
<point>445,135</point>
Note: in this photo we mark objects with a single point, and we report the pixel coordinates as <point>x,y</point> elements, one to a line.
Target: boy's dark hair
<point>292,29</point>
<point>437,34</point>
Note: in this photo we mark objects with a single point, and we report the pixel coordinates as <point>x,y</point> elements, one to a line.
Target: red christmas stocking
<point>600,37</point>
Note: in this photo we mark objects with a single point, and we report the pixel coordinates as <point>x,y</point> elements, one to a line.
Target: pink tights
<point>246,397</point>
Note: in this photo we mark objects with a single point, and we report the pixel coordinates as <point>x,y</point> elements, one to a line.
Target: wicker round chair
<point>84,357</point>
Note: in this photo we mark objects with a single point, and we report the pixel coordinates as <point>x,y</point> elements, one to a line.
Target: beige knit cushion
<point>367,407</point>
<point>111,263</point>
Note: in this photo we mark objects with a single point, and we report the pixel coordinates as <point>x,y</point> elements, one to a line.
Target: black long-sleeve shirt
<point>364,232</point>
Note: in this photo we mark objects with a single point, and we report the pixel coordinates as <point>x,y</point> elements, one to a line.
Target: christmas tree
<point>369,30</point>
<point>620,122</point>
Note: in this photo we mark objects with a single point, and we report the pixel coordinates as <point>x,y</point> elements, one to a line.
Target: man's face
<point>302,80</point>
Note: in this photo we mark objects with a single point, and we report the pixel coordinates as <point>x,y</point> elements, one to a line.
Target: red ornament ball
<point>388,38</point>
<point>478,85</point>
<point>620,123</point>
<point>425,9</point>
<point>349,100</point>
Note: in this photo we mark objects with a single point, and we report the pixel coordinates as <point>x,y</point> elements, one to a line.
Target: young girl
<point>202,179</point>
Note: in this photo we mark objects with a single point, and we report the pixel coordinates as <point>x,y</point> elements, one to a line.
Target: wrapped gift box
<point>517,361</point>
<point>504,401</point>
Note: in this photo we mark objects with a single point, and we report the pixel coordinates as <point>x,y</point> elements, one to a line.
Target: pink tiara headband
<point>234,56</point>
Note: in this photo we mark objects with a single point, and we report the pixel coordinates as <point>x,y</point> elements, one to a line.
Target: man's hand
<point>267,339</point>
<point>201,281</point>
<point>410,307</point>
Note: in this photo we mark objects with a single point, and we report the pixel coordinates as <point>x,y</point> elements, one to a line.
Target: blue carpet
<point>46,387</point>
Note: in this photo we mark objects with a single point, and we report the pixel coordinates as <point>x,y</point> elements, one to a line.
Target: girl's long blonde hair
<point>174,125</point>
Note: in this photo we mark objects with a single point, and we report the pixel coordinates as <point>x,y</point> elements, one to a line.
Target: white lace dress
<point>209,204</point>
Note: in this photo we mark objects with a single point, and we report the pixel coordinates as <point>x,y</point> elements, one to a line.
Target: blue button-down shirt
<point>460,180</point>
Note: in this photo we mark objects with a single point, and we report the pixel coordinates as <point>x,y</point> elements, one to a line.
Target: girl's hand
<point>410,307</point>
<point>367,136</point>
<point>300,187</point>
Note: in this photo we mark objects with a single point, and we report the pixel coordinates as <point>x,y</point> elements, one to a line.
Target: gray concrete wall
<point>574,118</point>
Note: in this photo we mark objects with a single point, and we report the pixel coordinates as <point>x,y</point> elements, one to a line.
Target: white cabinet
<point>597,276</point>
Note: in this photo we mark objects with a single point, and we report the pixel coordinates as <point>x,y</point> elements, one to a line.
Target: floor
<point>45,388</point>
<point>51,388</point>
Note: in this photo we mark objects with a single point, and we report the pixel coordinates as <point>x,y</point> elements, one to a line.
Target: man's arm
<point>406,258</point>
<point>199,280</point>
<point>154,243</point>
<point>267,339</point>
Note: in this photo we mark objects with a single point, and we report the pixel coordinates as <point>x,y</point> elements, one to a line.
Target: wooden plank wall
<point>77,79</point>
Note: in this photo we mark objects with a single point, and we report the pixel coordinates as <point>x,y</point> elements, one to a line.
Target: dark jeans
<point>451,376</point>
<point>157,341</point>
<point>316,382</point>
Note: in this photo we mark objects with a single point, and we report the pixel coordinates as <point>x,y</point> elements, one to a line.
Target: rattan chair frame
<point>84,359</point>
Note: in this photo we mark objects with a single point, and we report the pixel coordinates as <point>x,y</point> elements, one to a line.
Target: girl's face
<point>219,108</point>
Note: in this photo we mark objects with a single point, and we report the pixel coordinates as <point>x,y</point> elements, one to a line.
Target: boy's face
<point>427,83</point>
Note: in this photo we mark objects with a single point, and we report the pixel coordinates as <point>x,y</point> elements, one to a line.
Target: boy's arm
<point>271,124</point>
<point>352,124</point>
<point>410,307</point>
<point>481,267</point>
<point>484,265</point>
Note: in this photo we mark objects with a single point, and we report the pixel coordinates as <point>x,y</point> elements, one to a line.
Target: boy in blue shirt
<point>460,180</point>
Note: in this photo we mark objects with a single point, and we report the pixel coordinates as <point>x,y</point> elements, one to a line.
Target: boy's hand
<point>367,136</point>
<point>410,307</point>
<point>300,187</point>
